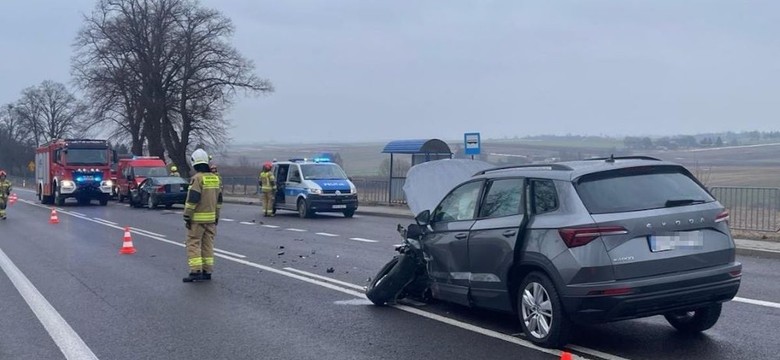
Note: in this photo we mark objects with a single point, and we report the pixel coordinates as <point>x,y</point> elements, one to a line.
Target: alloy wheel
<point>537,310</point>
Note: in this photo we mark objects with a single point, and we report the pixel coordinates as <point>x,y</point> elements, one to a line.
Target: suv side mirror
<point>414,231</point>
<point>423,218</point>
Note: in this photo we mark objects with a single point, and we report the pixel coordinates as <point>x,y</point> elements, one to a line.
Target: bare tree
<point>162,72</point>
<point>50,111</point>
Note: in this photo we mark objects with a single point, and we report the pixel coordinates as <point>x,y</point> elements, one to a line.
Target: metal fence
<point>750,208</point>
<point>370,190</point>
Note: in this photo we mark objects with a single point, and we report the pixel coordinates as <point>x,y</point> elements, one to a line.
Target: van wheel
<point>694,321</point>
<point>303,209</point>
<point>541,312</point>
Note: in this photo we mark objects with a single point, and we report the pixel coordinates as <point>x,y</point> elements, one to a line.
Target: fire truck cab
<point>74,168</point>
<point>132,172</point>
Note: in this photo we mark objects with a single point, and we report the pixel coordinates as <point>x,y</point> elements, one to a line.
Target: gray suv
<point>583,242</point>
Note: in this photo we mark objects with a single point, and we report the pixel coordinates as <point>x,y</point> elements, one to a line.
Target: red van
<point>132,172</point>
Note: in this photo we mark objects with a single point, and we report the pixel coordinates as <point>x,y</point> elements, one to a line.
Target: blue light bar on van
<point>321,159</point>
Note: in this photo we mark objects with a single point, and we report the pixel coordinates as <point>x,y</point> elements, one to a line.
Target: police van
<point>312,186</point>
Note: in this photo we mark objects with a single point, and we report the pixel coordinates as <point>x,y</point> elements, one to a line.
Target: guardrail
<point>750,208</point>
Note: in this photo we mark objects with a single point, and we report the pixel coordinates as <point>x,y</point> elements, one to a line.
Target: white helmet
<point>199,157</point>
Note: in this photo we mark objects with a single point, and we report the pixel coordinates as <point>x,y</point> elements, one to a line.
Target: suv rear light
<point>735,273</point>
<point>612,292</point>
<point>579,236</point>
<point>723,216</point>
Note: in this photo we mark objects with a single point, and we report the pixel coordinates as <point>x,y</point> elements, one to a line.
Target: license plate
<point>679,240</point>
<point>339,206</point>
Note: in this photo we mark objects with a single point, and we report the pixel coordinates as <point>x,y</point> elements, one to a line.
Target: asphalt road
<point>287,288</point>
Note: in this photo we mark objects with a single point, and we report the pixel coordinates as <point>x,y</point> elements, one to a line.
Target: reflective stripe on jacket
<point>267,181</point>
<point>204,199</point>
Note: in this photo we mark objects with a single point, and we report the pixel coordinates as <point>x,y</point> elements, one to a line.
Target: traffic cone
<point>566,355</point>
<point>12,199</point>
<point>127,243</point>
<point>54,219</point>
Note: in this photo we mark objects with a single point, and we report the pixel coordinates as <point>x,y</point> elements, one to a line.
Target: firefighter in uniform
<point>201,216</point>
<point>175,171</point>
<point>268,188</point>
<point>5,192</point>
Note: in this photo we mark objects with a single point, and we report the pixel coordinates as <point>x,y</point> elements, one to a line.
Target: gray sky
<point>350,70</point>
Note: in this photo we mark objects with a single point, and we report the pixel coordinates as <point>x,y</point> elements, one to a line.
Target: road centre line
<point>78,213</point>
<point>326,234</point>
<point>271,226</point>
<point>227,220</point>
<point>246,223</point>
<point>363,240</point>
<point>146,231</point>
<point>325,278</point>
<point>230,253</point>
<point>296,230</point>
<point>758,302</point>
<point>68,341</point>
<point>106,221</point>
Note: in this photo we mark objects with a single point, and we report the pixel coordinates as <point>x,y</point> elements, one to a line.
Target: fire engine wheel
<point>59,200</point>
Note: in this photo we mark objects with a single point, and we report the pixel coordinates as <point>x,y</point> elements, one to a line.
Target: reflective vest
<point>267,181</point>
<point>5,188</point>
<point>204,199</point>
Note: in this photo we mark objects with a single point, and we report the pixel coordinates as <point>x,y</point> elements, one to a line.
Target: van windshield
<point>322,172</point>
<point>642,188</point>
<point>150,171</point>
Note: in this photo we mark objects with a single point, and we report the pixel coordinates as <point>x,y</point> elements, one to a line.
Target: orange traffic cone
<point>127,243</point>
<point>54,219</point>
<point>12,199</point>
<point>566,355</point>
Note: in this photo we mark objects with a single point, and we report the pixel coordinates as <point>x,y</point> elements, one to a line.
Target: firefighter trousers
<point>3,204</point>
<point>268,202</point>
<point>200,247</point>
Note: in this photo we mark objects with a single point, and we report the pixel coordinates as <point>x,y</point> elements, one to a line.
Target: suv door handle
<point>461,236</point>
<point>509,233</point>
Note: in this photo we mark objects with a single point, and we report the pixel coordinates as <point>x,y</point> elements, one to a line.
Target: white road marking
<point>363,240</point>
<point>227,220</point>
<point>271,226</point>
<point>296,230</point>
<point>246,223</point>
<point>361,295</point>
<point>106,221</point>
<point>77,213</point>
<point>354,302</point>
<point>137,230</point>
<point>229,253</point>
<point>326,234</point>
<point>70,343</point>
<point>758,302</point>
<point>324,278</point>
<point>593,352</point>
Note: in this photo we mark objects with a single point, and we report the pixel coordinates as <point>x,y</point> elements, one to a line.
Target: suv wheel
<point>541,313</point>
<point>694,321</point>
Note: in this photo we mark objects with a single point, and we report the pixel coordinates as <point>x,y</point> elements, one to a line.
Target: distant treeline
<point>700,141</point>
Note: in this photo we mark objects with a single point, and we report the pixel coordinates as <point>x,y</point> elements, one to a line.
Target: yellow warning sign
<point>31,166</point>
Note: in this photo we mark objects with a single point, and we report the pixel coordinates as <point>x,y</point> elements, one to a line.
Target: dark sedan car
<point>155,191</point>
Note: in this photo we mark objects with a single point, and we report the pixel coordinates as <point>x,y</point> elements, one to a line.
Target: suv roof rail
<point>631,157</point>
<point>530,166</point>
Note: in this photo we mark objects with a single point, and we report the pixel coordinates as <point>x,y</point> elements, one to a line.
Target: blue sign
<point>471,143</point>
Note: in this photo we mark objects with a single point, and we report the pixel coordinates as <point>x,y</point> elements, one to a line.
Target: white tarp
<point>428,183</point>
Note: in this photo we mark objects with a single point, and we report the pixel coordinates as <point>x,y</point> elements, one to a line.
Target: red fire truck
<point>132,172</point>
<point>74,168</point>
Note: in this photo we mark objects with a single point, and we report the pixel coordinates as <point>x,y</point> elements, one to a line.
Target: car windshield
<point>87,156</point>
<point>636,189</point>
<point>168,180</point>
<point>322,172</point>
<point>150,171</point>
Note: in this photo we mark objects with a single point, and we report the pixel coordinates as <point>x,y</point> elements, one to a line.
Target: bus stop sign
<point>471,143</point>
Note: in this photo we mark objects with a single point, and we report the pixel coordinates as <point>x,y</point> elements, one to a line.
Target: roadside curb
<point>359,211</point>
<point>768,254</point>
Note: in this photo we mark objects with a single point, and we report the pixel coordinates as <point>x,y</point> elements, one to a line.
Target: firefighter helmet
<point>2,173</point>
<point>199,157</point>
<point>267,166</point>
<point>174,168</point>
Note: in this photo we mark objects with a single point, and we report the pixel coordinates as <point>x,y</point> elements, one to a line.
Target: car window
<point>504,198</point>
<point>545,197</point>
<point>642,188</point>
<point>295,174</point>
<point>460,204</point>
